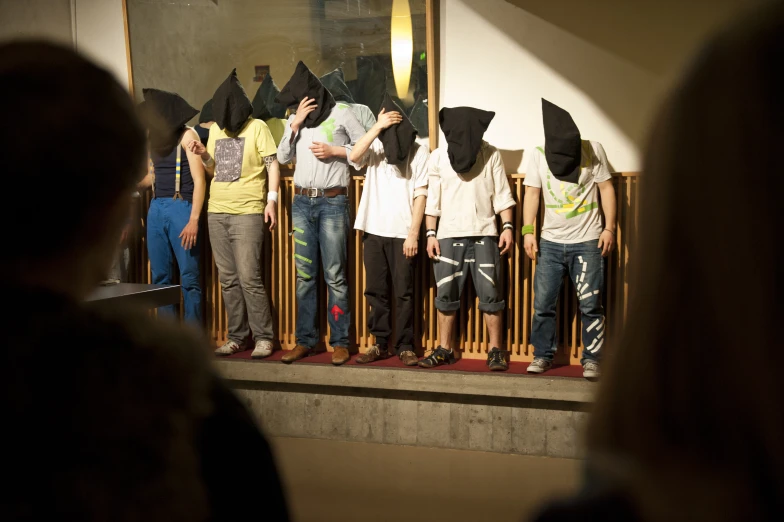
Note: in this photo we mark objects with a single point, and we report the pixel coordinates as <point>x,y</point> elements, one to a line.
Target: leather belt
<point>321,193</point>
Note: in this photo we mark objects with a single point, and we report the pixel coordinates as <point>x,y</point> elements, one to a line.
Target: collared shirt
<point>387,205</point>
<point>468,203</point>
<point>341,129</point>
<point>572,213</point>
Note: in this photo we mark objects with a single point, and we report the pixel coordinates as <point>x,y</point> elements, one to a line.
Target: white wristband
<point>272,196</point>
<point>210,162</point>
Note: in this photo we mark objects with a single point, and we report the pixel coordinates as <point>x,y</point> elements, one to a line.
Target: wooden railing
<point>280,278</point>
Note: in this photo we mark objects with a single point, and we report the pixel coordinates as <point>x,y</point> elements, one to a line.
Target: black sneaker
<point>497,360</point>
<point>439,356</point>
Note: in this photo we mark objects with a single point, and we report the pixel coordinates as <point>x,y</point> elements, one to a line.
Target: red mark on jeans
<point>336,312</point>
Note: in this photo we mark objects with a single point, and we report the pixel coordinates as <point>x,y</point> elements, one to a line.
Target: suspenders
<point>177,174</point>
<point>177,171</point>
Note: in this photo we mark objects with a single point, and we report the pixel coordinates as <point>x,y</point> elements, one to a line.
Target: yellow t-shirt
<point>277,127</point>
<point>240,176</point>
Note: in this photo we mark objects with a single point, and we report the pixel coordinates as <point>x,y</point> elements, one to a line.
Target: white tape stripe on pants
<point>447,260</point>
<point>486,277</point>
<point>449,278</point>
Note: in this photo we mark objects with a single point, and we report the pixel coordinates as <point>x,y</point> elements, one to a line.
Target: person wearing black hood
<point>390,215</point>
<point>574,240</point>
<point>467,189</point>
<point>267,110</point>
<point>178,196</point>
<point>205,122</point>
<point>335,83</point>
<point>320,136</point>
<point>242,157</point>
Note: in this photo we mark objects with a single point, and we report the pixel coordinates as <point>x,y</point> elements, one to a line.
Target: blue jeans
<point>321,227</point>
<point>585,265</point>
<point>165,221</point>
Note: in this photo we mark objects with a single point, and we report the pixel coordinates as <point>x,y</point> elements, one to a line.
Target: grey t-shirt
<point>364,115</point>
<point>342,129</point>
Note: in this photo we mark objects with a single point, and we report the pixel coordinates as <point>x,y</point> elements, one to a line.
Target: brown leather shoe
<point>374,353</point>
<point>409,358</point>
<point>295,355</point>
<point>340,355</point>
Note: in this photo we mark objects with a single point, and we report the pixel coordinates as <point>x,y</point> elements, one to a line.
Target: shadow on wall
<point>621,54</point>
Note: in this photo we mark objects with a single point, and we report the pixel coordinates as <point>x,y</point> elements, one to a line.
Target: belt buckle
<point>313,192</point>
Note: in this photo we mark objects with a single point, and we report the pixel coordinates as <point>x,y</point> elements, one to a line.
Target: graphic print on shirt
<point>569,193</point>
<point>328,128</point>
<point>228,159</point>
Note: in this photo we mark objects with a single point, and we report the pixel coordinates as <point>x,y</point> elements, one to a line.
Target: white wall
<point>607,62</point>
<point>100,35</point>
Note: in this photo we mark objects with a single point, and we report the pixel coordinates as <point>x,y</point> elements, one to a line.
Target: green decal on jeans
<point>299,230</point>
<point>303,258</point>
<point>303,274</point>
<point>300,242</point>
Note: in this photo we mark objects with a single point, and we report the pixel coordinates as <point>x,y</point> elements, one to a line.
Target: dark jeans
<point>165,221</point>
<point>320,229</point>
<point>383,258</point>
<point>236,246</point>
<point>585,265</point>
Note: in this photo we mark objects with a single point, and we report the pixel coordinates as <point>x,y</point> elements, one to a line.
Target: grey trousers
<point>236,246</point>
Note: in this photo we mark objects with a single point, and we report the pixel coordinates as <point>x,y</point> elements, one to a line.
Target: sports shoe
<point>229,348</point>
<point>496,360</point>
<point>539,365</point>
<point>263,349</point>
<point>591,370</point>
<point>374,353</point>
<point>439,356</point>
<point>409,358</point>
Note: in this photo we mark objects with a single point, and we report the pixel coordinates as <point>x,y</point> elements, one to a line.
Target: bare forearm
<point>507,215</point>
<point>273,176</point>
<point>608,205</point>
<point>431,222</point>
<point>199,188</point>
<point>419,214</point>
<point>363,144</point>
<point>145,183</point>
<point>531,205</point>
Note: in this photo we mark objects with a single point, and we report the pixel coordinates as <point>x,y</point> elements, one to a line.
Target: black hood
<point>335,83</point>
<point>464,128</point>
<point>397,139</point>
<point>419,118</point>
<point>206,112</point>
<point>562,143</point>
<point>264,106</point>
<point>230,105</point>
<point>164,114</point>
<point>371,83</point>
<point>304,84</point>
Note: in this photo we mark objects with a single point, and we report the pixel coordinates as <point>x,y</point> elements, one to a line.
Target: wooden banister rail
<point>280,278</point>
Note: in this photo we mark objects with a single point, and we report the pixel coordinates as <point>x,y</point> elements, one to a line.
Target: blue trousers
<point>320,230</point>
<point>165,221</point>
<point>585,265</point>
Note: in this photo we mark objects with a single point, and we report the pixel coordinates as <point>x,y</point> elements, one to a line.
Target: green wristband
<point>528,229</point>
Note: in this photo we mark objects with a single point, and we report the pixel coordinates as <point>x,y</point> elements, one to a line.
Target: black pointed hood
<point>397,139</point>
<point>562,143</point>
<point>464,128</point>
<point>371,83</point>
<point>231,105</point>
<point>304,84</point>
<point>206,112</point>
<point>164,114</point>
<point>264,106</point>
<point>335,83</point>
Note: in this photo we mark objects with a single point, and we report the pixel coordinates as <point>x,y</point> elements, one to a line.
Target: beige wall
<point>94,27</point>
<point>49,19</point>
<point>608,62</point>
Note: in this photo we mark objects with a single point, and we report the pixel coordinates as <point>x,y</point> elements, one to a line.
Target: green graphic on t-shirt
<point>567,204</point>
<point>328,128</point>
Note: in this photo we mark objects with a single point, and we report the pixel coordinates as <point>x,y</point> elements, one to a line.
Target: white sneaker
<point>229,348</point>
<point>539,366</point>
<point>591,370</point>
<point>263,349</point>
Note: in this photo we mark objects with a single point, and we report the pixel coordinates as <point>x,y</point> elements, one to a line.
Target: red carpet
<point>463,365</point>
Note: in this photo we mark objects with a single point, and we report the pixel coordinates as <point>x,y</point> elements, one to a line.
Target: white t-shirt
<point>468,203</point>
<point>387,205</point>
<point>572,213</point>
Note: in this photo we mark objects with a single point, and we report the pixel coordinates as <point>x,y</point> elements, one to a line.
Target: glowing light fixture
<point>402,46</point>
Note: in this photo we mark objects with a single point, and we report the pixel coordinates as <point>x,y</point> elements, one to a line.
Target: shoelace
<point>497,356</point>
